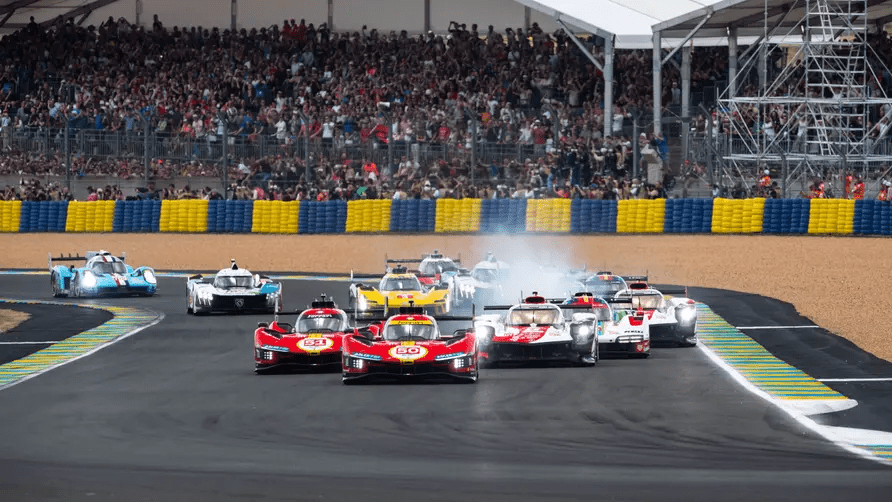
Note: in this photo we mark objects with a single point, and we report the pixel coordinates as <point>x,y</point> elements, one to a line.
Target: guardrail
<point>511,216</point>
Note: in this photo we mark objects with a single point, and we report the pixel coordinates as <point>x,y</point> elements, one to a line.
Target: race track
<point>175,412</point>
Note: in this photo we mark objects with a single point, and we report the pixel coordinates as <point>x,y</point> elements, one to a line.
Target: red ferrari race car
<point>313,342</point>
<point>410,346</point>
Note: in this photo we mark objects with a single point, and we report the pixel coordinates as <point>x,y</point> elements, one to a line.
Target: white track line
<point>797,416</point>
<point>779,327</point>
<point>25,343</point>
<point>855,379</point>
<point>89,352</point>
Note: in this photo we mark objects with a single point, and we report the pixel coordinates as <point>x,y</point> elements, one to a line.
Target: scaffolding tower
<point>808,104</point>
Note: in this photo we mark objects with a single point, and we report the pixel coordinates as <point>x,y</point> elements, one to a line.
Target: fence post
<point>225,140</point>
<point>67,154</point>
<point>147,153</point>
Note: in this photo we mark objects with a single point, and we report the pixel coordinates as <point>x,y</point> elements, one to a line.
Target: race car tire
<point>57,291</point>
<point>351,381</point>
<point>688,342</point>
<point>587,361</point>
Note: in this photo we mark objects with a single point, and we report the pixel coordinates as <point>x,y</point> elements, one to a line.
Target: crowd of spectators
<point>528,88</point>
<point>532,92</point>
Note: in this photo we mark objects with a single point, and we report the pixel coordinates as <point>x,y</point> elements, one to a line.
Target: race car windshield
<point>487,274</point>
<point>437,267</point>
<point>647,302</point>
<point>600,287</point>
<point>114,267</point>
<point>520,317</point>
<point>309,323</point>
<point>397,332</point>
<point>400,284</point>
<point>601,313</point>
<point>232,281</point>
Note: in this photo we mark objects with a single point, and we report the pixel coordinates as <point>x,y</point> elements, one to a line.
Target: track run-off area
<point>133,399</point>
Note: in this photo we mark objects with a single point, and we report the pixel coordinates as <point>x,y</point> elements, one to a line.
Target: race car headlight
<point>149,276</point>
<point>686,315</point>
<point>355,363</point>
<point>362,303</point>
<point>89,279</point>
<point>461,362</point>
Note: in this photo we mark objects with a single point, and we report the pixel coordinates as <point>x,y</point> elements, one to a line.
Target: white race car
<point>536,330</point>
<point>621,332</point>
<point>233,290</point>
<point>671,319</point>
<point>482,285</point>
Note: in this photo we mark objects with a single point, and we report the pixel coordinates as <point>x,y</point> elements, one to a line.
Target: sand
<point>841,283</point>
<point>9,319</point>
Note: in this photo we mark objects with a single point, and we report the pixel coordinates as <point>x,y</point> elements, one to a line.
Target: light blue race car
<point>104,274</point>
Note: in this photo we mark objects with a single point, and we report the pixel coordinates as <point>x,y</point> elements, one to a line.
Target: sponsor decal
<point>275,348</point>
<point>362,355</point>
<point>314,316</point>
<point>315,344</point>
<point>408,352</point>
<point>453,355</point>
<point>411,320</point>
<point>239,303</point>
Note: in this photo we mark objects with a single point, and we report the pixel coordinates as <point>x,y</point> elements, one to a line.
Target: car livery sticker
<point>274,348</point>
<point>408,352</point>
<point>401,322</point>
<point>315,343</point>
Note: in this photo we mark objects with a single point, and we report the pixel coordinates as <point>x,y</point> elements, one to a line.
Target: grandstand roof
<point>633,22</point>
<point>15,14</point>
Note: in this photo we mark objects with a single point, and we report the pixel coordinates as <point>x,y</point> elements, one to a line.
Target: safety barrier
<point>413,215</point>
<point>276,217</point>
<point>503,215</point>
<point>872,217</point>
<point>368,215</point>
<point>90,216</point>
<point>588,216</point>
<point>10,215</point>
<point>548,215</point>
<point>786,216</point>
<point>225,216</point>
<point>737,216</point>
<point>771,216</point>
<point>323,217</point>
<point>184,216</point>
<point>831,216</point>
<point>137,216</point>
<point>48,216</point>
<point>688,216</point>
<point>458,215</point>
<point>640,216</point>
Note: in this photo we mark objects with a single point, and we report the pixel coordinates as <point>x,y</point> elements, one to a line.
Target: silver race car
<point>232,290</point>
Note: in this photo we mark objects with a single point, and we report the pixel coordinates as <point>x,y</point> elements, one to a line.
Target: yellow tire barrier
<point>275,217</point>
<point>10,215</point>
<point>458,215</point>
<point>368,215</point>
<point>831,216</point>
<point>737,216</point>
<point>548,215</point>
<point>96,216</point>
<point>184,216</point>
<point>640,216</point>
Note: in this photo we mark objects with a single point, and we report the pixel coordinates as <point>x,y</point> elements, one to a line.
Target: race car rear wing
<point>636,278</point>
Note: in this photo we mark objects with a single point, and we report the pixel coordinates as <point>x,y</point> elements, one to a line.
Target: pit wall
<point>718,216</point>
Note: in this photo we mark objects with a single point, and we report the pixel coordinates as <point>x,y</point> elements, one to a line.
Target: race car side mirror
<point>262,325</point>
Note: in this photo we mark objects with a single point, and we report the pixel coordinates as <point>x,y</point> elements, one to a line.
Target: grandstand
<point>332,110</point>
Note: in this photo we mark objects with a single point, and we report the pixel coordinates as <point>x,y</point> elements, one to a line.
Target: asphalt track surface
<point>176,413</point>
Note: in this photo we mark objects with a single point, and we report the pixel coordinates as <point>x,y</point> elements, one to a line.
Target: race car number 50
<point>408,352</point>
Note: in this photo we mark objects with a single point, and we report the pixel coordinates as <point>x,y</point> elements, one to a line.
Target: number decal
<point>315,344</point>
<point>408,352</point>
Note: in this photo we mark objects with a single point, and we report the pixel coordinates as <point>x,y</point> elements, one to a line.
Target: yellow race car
<point>398,288</point>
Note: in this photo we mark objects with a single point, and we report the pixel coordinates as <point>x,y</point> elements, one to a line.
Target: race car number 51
<point>408,352</point>
<point>315,344</point>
